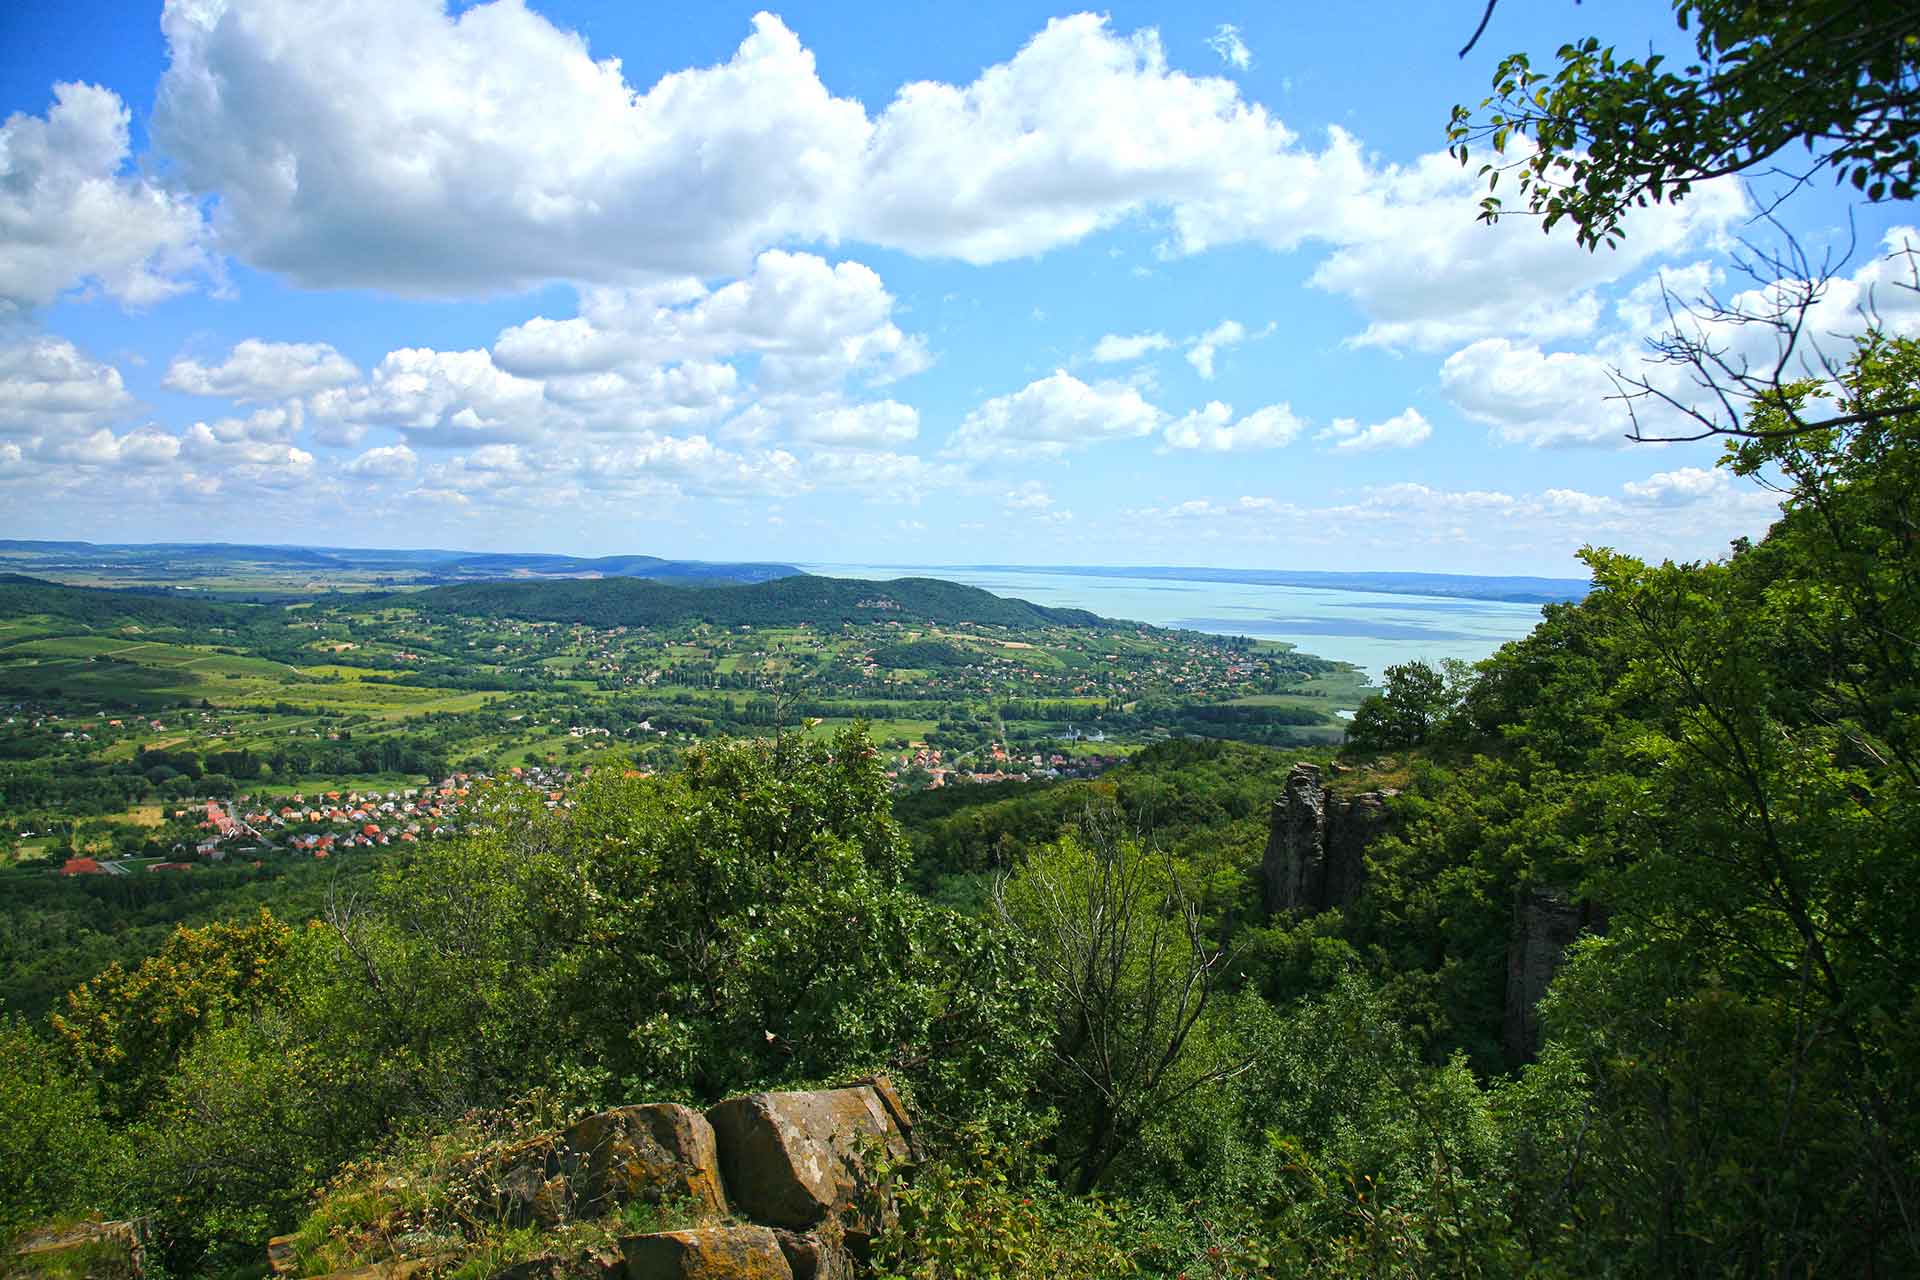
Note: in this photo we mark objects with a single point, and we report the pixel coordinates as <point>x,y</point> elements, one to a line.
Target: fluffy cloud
<point>659,360</point>
<point>250,462</point>
<point>1031,500</point>
<point>1402,431</point>
<point>1683,487</point>
<point>257,370</point>
<point>389,143</point>
<point>141,448</point>
<point>1213,428</point>
<point>694,464</point>
<point>386,462</point>
<point>1049,417</point>
<point>1530,395</point>
<point>865,426</point>
<point>1201,351</point>
<point>69,217</point>
<point>1116,349</point>
<point>812,323</point>
<point>48,386</point>
<point>264,426</point>
<point>1409,252</point>
<point>438,398</point>
<point>392,144</point>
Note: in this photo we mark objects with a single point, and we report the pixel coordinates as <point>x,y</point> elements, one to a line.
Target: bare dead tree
<point>1123,955</point>
<point>1721,358</point>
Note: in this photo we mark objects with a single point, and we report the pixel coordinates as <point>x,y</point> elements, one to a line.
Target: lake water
<point>1370,629</point>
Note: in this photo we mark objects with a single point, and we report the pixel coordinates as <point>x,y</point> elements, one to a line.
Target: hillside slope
<point>96,607</point>
<point>614,602</point>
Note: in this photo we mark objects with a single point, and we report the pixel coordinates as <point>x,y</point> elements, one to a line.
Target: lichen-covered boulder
<point>657,1151</point>
<point>660,1150</point>
<point>706,1253</point>
<point>813,1256</point>
<point>793,1160</point>
<point>281,1259</point>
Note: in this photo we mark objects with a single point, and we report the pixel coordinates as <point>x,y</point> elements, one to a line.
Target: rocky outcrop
<point>794,1164</point>
<point>646,1152</point>
<point>812,1256</point>
<point>1546,921</point>
<point>795,1160</point>
<point>1317,842</point>
<point>658,1151</point>
<point>706,1253</point>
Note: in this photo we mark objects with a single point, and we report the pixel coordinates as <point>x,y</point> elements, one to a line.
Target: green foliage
<point>1121,957</point>
<point>1605,133</point>
<point>1415,697</point>
<point>56,1153</point>
<point>23,596</point>
<point>981,1211</point>
<point>743,921</point>
<point>127,1028</point>
<point>922,654</point>
<point>1721,758</point>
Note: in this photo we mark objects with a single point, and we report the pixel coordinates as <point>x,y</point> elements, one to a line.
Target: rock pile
<point>789,1171</point>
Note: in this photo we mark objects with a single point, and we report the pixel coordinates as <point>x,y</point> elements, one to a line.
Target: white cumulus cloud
<point>1051,416</point>
<point>1213,428</point>
<point>1403,430</point>
<point>69,217</point>
<point>1201,351</point>
<point>1233,51</point>
<point>869,426</point>
<point>260,370</point>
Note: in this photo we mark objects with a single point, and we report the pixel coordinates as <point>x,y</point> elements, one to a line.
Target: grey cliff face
<point>1546,921</point>
<point>1316,847</point>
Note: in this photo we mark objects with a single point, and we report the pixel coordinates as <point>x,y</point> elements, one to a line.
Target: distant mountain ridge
<point>432,565</point>
<point>611,602</point>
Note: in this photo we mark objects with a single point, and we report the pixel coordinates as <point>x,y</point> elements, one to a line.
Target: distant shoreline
<point>1506,589</point>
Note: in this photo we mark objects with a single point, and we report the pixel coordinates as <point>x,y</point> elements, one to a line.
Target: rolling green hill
<point>93,607</point>
<point>613,602</point>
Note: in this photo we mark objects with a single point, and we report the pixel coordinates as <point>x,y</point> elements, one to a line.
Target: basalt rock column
<point>1317,843</point>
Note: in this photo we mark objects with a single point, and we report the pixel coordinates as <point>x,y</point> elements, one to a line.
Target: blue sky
<point>908,283</point>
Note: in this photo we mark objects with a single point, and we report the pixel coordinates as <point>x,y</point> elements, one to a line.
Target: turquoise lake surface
<point>1370,629</point>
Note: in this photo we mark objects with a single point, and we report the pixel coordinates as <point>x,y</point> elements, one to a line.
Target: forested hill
<point>634,602</point>
<point>22,597</point>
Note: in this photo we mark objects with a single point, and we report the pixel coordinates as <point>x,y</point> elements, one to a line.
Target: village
<point>330,822</point>
<point>327,823</point>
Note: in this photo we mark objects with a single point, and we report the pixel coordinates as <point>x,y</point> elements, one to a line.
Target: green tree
<point>55,1149</point>
<point>746,920</point>
<point>1414,698</point>
<point>128,1028</point>
<point>1838,79</point>
<point>1123,960</point>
